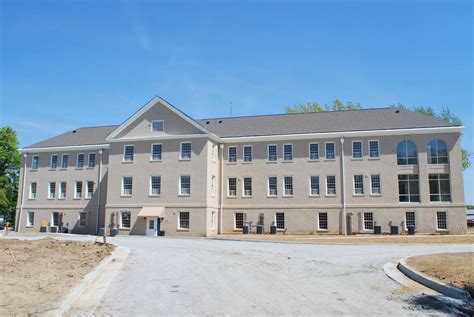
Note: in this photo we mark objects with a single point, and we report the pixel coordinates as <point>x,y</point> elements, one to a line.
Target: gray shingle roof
<point>81,136</point>
<point>320,122</point>
<point>336,121</point>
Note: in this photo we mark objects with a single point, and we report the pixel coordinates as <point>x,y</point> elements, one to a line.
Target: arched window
<point>437,152</point>
<point>406,153</point>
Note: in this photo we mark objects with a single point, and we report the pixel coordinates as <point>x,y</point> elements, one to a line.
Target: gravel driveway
<point>181,276</point>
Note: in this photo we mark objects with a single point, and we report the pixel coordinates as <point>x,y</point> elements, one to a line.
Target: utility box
<point>393,230</point>
<point>377,229</point>
<point>245,229</point>
<point>259,229</point>
<point>411,230</point>
<point>161,233</point>
<point>273,229</point>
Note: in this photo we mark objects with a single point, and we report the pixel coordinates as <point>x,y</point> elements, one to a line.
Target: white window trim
<point>151,125</point>
<point>213,152</point>
<point>292,183</point>
<point>213,220</point>
<point>28,223</point>
<point>414,212</point>
<point>49,190</point>
<point>326,183</point>
<point>368,150</point>
<point>319,226</point>
<point>87,190</point>
<point>292,153</point>
<point>309,152</point>
<point>77,161</point>
<point>437,224</point>
<point>361,149</point>
<point>284,220</point>
<point>120,223</point>
<point>326,154</point>
<point>181,151</point>
<point>309,185</point>
<point>243,187</point>
<point>59,196</point>
<point>268,186</point>
<point>122,192</point>
<point>213,186</point>
<point>32,161</point>
<point>51,162</point>
<point>236,154</point>
<point>235,220</point>
<point>363,221</point>
<point>89,159</point>
<point>75,190</point>
<point>52,219</point>
<point>228,187</point>
<point>179,185</point>
<point>251,154</point>
<point>79,219</point>
<point>354,187</point>
<point>30,196</point>
<point>123,154</point>
<point>62,161</point>
<point>268,153</point>
<point>380,181</point>
<point>151,188</point>
<point>179,222</point>
<point>151,152</point>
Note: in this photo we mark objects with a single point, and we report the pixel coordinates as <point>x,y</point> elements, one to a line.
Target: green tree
<point>10,161</point>
<point>337,105</point>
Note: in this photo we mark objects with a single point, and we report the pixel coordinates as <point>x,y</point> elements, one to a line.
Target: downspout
<point>343,172</point>
<point>18,225</point>
<point>221,216</point>
<point>98,193</point>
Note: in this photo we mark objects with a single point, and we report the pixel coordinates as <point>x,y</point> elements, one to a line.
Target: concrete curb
<point>78,297</point>
<point>438,286</point>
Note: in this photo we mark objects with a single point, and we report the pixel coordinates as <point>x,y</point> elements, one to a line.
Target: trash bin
<point>161,233</point>
<point>53,229</point>
<point>393,230</point>
<point>377,229</point>
<point>100,233</point>
<point>259,229</point>
<point>65,230</point>
<point>411,230</point>
<point>273,229</point>
<point>113,232</point>
<point>245,229</point>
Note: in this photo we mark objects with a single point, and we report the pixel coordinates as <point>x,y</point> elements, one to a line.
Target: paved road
<point>173,276</point>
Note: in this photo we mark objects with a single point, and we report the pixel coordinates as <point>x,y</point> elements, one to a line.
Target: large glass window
<point>64,161</point>
<point>80,160</point>
<point>288,185</point>
<point>232,187</point>
<point>358,184</point>
<point>155,186</point>
<point>78,191</point>
<point>410,219</point>
<point>272,152</point>
<point>439,187</point>
<point>313,151</point>
<point>127,186</point>
<point>156,150</point>
<point>62,190</point>
<point>90,189</point>
<point>331,185</point>
<point>374,151</point>
<point>357,149</point>
<point>33,190</point>
<point>54,161</point>
<point>247,187</point>
<point>128,153</point>
<point>247,153</point>
<point>185,151</point>
<point>239,220</point>
<point>406,153</point>
<point>314,185</point>
<point>330,151</point>
<point>442,220</point>
<point>125,219</point>
<point>184,220</point>
<point>91,163</point>
<point>157,126</point>
<point>437,152</point>
<point>368,221</point>
<point>272,186</point>
<point>375,185</point>
<point>288,152</point>
<point>31,219</point>
<point>233,154</point>
<point>280,220</point>
<point>323,221</point>
<point>408,188</point>
<point>52,190</point>
<point>35,162</point>
<point>185,185</point>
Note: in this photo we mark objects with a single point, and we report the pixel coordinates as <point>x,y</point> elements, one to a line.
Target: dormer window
<point>157,126</point>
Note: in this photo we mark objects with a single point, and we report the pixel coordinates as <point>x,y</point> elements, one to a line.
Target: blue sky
<point>68,64</point>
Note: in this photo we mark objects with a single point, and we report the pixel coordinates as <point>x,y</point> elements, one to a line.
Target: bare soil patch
<point>456,269</point>
<point>36,274</point>
<point>358,239</point>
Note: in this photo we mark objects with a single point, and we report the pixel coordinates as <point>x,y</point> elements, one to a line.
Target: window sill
<point>329,160</point>
<point>374,158</point>
<point>78,168</point>
<point>330,195</point>
<point>155,161</point>
<point>182,230</point>
<point>127,162</point>
<point>315,160</point>
<point>50,198</point>
<point>63,169</point>
<point>288,196</point>
<point>231,163</point>
<point>154,196</point>
<point>367,231</point>
<point>442,230</point>
<point>314,196</point>
<point>125,196</point>
<point>52,169</point>
<point>184,160</point>
<point>77,198</point>
<point>322,230</point>
<point>231,197</point>
<point>272,196</point>
<point>90,168</point>
<point>375,195</point>
<point>358,195</point>
<point>357,158</point>
<point>184,195</point>
<point>248,162</point>
<point>88,198</point>
<point>63,198</point>
<point>287,161</point>
<point>246,197</point>
<point>29,226</point>
<point>271,162</point>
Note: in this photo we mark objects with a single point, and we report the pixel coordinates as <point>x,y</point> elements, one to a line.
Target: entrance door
<point>151,226</point>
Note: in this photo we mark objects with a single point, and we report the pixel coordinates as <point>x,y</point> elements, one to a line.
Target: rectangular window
<point>374,149</point>
<point>331,185</point>
<point>232,187</point>
<point>330,151</point>
<point>155,186</point>
<point>247,153</point>
<point>35,162</point>
<point>128,153</point>
<point>156,150</point>
<point>272,186</point>
<point>410,219</point>
<point>89,189</point>
<point>62,190</point>
<point>52,190</point>
<point>358,184</point>
<point>232,154</point>
<point>33,190</point>
<point>31,219</point>
<point>157,126</point>
<point>247,187</point>
<point>183,220</point>
<point>127,186</point>
<point>214,152</point>
<point>78,191</point>
<point>185,151</point>
<point>439,187</point>
<point>368,221</point>
<point>64,161</point>
<point>314,185</point>
<point>280,220</point>
<point>288,152</point>
<point>91,163</point>
<point>408,188</point>
<point>54,161</point>
<point>55,219</point>
<point>313,151</point>
<point>125,217</point>
<point>82,219</point>
<point>213,220</point>
<point>288,185</point>
<point>323,221</point>
<point>185,185</point>
<point>80,160</point>
<point>213,186</point>
<point>442,220</point>
<point>375,185</point>
<point>357,149</point>
<point>239,220</point>
<point>272,153</point>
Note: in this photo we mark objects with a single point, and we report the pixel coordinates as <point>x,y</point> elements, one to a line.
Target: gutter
<point>343,175</point>
<point>221,216</point>
<point>98,193</point>
<point>18,224</point>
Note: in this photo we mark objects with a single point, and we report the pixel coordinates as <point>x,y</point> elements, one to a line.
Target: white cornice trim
<point>65,148</point>
<point>167,137</point>
<point>150,104</point>
<point>329,135</point>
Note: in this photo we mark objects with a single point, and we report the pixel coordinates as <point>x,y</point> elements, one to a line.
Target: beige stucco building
<point>162,171</point>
